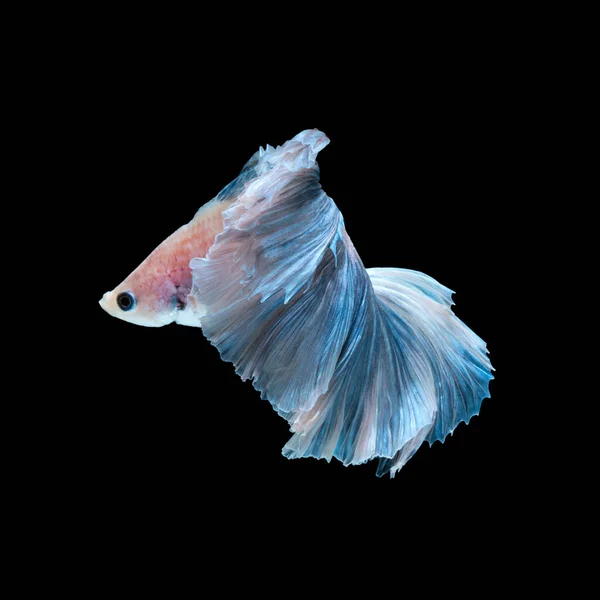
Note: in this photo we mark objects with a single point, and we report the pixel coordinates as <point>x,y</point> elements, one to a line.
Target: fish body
<point>160,287</point>
<point>362,363</point>
<point>157,292</point>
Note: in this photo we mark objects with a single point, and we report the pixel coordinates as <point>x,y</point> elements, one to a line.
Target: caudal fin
<point>362,363</point>
<point>460,367</point>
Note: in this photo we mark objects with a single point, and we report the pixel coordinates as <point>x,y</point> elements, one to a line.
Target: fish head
<point>151,302</point>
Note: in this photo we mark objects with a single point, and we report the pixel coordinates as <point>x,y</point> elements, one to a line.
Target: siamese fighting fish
<point>362,363</point>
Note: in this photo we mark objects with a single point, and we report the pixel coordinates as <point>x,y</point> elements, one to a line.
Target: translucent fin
<point>359,362</point>
<point>236,187</point>
<point>460,366</point>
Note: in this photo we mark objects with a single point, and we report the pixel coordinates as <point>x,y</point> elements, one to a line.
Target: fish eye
<point>126,301</point>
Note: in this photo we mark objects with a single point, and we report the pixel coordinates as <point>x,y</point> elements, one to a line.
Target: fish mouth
<point>103,302</point>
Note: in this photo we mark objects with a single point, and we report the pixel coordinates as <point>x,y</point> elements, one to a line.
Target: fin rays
<point>361,363</point>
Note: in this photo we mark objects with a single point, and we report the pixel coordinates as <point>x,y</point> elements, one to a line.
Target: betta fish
<point>362,363</point>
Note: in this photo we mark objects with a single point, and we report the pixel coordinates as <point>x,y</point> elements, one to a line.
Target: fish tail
<point>425,325</point>
<point>415,373</point>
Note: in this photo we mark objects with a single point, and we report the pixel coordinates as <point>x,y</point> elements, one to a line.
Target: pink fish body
<point>158,291</point>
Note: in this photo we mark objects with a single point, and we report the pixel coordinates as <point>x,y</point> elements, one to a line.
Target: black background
<point>426,164</point>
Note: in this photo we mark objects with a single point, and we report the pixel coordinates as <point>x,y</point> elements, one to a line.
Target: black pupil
<point>126,300</point>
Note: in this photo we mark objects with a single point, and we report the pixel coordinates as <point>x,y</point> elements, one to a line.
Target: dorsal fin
<point>231,190</point>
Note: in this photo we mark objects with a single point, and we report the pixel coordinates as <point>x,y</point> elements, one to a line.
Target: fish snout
<point>104,301</point>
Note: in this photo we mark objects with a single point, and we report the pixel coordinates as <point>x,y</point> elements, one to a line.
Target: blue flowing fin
<point>362,364</point>
<point>461,369</point>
